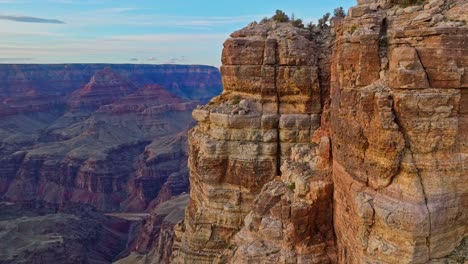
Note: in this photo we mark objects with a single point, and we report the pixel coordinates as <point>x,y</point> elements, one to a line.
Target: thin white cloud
<point>158,38</point>
<point>116,10</point>
<point>115,16</point>
<point>30,33</point>
<point>29,19</point>
<point>6,59</point>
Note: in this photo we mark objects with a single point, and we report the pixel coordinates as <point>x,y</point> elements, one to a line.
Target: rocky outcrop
<point>105,87</point>
<point>367,166</point>
<point>398,116</point>
<point>109,144</point>
<point>267,115</point>
<point>153,243</point>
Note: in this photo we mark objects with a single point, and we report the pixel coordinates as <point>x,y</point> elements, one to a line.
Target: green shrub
<point>292,186</point>
<point>235,99</point>
<point>298,23</point>
<point>339,12</point>
<point>311,26</point>
<point>280,16</point>
<point>352,29</point>
<point>322,22</point>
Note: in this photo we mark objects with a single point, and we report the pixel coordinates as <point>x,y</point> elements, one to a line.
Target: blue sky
<point>137,31</point>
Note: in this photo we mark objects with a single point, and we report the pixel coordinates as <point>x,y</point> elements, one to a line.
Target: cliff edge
<point>345,145</point>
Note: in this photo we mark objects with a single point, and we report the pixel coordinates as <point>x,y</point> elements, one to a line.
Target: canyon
<point>98,138</point>
<point>111,137</point>
<point>340,144</point>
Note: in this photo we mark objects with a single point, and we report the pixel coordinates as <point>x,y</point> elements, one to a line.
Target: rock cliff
<point>153,243</point>
<point>399,128</point>
<point>345,145</point>
<point>260,166</point>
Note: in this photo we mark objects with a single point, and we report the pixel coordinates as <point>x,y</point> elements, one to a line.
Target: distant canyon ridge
<point>111,136</point>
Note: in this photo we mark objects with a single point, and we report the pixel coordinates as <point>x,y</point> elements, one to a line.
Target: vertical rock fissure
<point>278,113</point>
<point>418,174</point>
<point>423,67</point>
<point>383,45</point>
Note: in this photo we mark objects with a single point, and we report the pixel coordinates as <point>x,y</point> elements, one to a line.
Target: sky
<point>137,31</point>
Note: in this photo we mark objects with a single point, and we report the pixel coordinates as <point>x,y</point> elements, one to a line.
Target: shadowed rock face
<point>153,243</point>
<point>288,165</point>
<point>116,142</point>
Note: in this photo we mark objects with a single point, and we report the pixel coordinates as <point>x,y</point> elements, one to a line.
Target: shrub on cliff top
<point>322,22</point>
<point>339,12</point>
<point>280,16</point>
<point>297,23</point>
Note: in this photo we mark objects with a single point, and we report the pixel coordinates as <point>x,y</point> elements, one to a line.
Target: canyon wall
<point>399,128</point>
<point>352,156</point>
<point>106,135</point>
<point>260,167</point>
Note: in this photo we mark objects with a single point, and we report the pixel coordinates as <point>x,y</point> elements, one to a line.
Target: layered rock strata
<point>153,243</point>
<point>110,143</point>
<point>288,166</point>
<point>399,129</point>
<point>77,235</point>
<point>270,110</point>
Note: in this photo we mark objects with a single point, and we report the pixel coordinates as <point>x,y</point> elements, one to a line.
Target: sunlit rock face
<point>341,146</point>
<point>399,107</point>
<point>245,155</point>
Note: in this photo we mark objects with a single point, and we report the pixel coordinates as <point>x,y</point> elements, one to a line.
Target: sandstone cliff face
<point>399,125</point>
<point>267,117</point>
<point>288,166</point>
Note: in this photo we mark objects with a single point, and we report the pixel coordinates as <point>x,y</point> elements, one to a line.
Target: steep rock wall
<point>287,166</point>
<point>398,119</point>
<point>244,153</point>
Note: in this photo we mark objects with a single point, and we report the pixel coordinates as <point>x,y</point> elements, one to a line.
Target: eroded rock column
<point>244,151</point>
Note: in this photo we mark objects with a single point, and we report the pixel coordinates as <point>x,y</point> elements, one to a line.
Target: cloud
<point>176,60</point>
<point>152,59</point>
<point>115,10</point>
<point>158,38</point>
<point>125,16</point>
<point>15,59</point>
<point>28,19</point>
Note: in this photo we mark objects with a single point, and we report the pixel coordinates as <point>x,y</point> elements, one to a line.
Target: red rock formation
<point>153,243</point>
<point>398,120</point>
<point>45,88</point>
<point>372,166</point>
<point>104,88</point>
<point>187,81</point>
<point>119,147</point>
<point>269,111</point>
